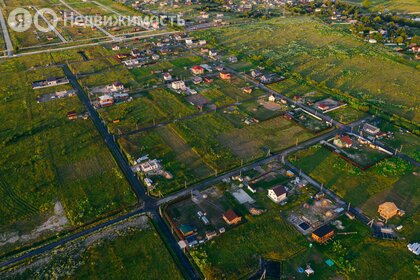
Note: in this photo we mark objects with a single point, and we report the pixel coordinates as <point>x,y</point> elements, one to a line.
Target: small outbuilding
<point>231,218</point>
<point>323,234</point>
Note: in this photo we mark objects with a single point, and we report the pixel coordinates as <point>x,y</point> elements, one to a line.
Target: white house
<point>167,76</point>
<point>272,98</point>
<point>149,165</point>
<point>277,194</point>
<point>178,85</point>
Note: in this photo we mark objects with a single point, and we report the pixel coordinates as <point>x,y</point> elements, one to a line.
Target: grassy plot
<point>175,154</point>
<point>347,115</point>
<point>254,141</point>
<point>328,57</point>
<point>402,140</point>
<point>201,134</point>
<point>223,93</point>
<point>47,158</point>
<point>154,107</point>
<point>390,180</point>
<point>178,67</point>
<point>139,254</point>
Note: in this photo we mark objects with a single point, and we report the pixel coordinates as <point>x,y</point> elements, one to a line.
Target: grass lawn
<point>347,115</point>
<point>390,180</point>
<point>46,157</point>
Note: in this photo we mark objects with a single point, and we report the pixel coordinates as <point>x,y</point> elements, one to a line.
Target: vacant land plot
<point>223,93</point>
<point>391,180</point>
<point>402,140</point>
<point>65,161</point>
<point>347,115</point>
<point>153,107</point>
<point>177,66</point>
<point>201,134</point>
<point>320,53</point>
<point>256,140</point>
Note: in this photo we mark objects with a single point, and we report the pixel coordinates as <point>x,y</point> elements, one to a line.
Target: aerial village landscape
<point>218,139</point>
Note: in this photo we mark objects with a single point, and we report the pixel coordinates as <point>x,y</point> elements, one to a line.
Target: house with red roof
<point>197,70</point>
<point>343,141</point>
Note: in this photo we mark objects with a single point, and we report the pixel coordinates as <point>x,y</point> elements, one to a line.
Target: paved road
<point>6,35</point>
<point>50,26</point>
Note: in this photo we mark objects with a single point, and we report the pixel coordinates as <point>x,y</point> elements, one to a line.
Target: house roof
<point>197,68</point>
<point>323,106</point>
<point>279,190</point>
<point>323,230</point>
<point>346,139</point>
<point>186,228</point>
<point>230,215</point>
<point>388,207</point>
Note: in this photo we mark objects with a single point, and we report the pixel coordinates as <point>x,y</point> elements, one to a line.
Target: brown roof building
<point>387,210</point>
<point>231,217</point>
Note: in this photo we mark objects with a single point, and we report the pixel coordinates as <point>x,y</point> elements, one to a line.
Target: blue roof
<point>329,262</point>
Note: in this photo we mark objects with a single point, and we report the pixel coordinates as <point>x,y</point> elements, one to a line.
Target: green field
<point>326,57</point>
<point>404,6</point>
<point>390,180</point>
<point>47,158</point>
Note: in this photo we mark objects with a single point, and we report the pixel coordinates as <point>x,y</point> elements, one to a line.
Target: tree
<point>366,4</point>
<point>415,40</point>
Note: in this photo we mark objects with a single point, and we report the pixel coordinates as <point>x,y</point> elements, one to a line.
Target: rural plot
<point>150,109</point>
<point>201,134</point>
<point>222,93</point>
<point>176,156</point>
<point>254,141</point>
<point>327,56</point>
<point>177,66</point>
